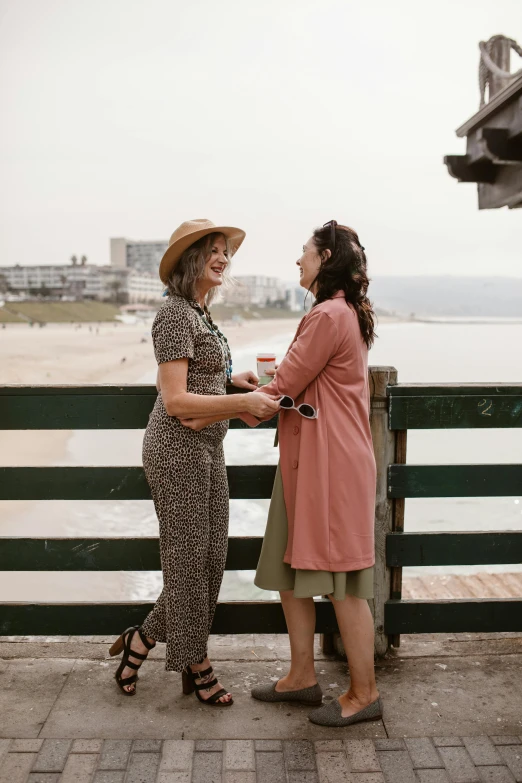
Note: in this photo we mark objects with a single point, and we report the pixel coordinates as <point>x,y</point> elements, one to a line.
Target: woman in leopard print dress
<point>184,462</point>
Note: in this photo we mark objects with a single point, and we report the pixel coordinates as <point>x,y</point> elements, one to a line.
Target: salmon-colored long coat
<point>327,464</point>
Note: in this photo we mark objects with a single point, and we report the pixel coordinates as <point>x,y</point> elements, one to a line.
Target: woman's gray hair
<point>191,266</point>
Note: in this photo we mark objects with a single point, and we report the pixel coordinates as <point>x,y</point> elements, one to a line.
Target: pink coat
<point>327,464</point>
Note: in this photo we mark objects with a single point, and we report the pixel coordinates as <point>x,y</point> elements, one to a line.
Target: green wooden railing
<point>452,406</point>
<point>111,407</point>
<point>128,407</point>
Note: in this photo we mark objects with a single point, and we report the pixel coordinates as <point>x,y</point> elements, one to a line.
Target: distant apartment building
<point>142,256</point>
<point>26,278</point>
<point>295,298</point>
<point>103,283</point>
<point>143,287</point>
<point>254,290</point>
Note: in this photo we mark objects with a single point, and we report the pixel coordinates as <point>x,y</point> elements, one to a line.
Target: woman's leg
<point>355,622</point>
<point>300,621</point>
<point>153,629</point>
<point>180,490</point>
<point>218,511</point>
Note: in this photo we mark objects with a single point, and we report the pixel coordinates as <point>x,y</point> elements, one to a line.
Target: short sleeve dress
<point>187,477</point>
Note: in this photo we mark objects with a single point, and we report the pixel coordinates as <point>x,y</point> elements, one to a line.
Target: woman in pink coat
<point>320,531</point>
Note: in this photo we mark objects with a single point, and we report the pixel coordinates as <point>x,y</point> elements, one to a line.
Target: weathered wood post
<point>384,445</point>
<point>500,54</point>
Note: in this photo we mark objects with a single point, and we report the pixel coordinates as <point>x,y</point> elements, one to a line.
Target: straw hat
<point>188,233</point>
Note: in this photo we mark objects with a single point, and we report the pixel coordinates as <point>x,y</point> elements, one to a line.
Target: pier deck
<point>63,717</point>
<point>480,585</point>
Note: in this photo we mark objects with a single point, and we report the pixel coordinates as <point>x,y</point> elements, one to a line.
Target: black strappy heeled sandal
<point>124,642</point>
<point>188,678</point>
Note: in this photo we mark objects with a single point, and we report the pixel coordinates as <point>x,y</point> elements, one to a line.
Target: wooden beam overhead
<point>461,167</point>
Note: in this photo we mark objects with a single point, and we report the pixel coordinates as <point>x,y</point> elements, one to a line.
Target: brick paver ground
<point>495,759</point>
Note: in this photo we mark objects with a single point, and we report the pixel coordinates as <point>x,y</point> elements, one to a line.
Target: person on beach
<point>184,462</point>
<point>319,538</point>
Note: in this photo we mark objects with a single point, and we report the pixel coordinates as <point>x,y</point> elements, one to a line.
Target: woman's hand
<point>272,372</point>
<point>245,380</point>
<point>261,405</point>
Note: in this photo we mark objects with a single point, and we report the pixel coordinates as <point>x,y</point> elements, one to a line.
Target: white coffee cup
<point>265,361</point>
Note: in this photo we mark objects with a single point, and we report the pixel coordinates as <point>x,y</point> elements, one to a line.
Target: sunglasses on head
<point>308,411</point>
<point>331,224</point>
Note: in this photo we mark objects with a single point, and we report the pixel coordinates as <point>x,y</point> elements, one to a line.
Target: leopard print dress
<point>187,476</point>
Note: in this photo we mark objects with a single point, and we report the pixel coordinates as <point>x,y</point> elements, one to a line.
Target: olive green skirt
<point>274,574</point>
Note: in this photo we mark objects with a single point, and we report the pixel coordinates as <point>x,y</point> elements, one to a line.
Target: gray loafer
<point>310,697</point>
<point>331,714</point>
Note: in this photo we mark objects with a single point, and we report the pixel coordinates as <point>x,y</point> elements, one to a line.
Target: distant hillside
<point>448,296</point>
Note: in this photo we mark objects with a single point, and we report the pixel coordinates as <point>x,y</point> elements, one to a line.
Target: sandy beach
<point>90,353</point>
<point>100,353</point>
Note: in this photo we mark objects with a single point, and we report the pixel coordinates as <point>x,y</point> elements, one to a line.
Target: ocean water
<point>421,352</point>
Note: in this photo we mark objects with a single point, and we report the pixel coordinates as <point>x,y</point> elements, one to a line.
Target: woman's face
<point>216,264</point>
<point>309,264</point>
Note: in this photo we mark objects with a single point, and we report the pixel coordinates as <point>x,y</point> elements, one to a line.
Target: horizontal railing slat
<point>453,616</point>
<point>435,413</point>
<point>446,481</point>
<point>70,389</point>
<point>142,553</point>
<point>412,406</point>
<point>109,483</point>
<point>107,554</point>
<point>252,481</point>
<point>432,549</point>
<point>28,619</point>
<point>84,407</point>
<point>454,389</point>
<point>419,406</point>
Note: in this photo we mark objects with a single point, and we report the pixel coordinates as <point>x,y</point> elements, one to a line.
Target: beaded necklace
<point>211,326</point>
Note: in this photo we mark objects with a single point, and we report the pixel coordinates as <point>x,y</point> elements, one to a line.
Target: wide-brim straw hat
<point>188,233</point>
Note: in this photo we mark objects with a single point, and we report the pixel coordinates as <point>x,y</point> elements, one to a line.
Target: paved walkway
<point>477,759</point>
<point>453,714</point>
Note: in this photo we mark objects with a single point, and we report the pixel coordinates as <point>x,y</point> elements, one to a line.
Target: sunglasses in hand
<point>308,411</point>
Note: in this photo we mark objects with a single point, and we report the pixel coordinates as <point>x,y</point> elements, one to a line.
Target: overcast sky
<point>126,117</point>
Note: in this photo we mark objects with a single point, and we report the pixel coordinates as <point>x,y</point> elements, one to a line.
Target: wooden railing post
<point>385,450</point>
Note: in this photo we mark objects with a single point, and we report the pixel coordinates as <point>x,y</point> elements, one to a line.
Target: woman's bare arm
<point>184,405</point>
<point>205,421</point>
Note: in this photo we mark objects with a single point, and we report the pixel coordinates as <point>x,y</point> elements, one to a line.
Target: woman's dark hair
<point>345,271</point>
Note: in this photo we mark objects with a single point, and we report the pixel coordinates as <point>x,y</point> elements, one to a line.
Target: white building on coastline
<point>132,277</point>
<point>247,290</point>
<point>102,283</point>
<point>254,290</point>
<point>295,299</point>
<point>259,291</point>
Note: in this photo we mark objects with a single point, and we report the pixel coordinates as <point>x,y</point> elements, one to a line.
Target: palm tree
<point>83,260</point>
<point>74,260</point>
